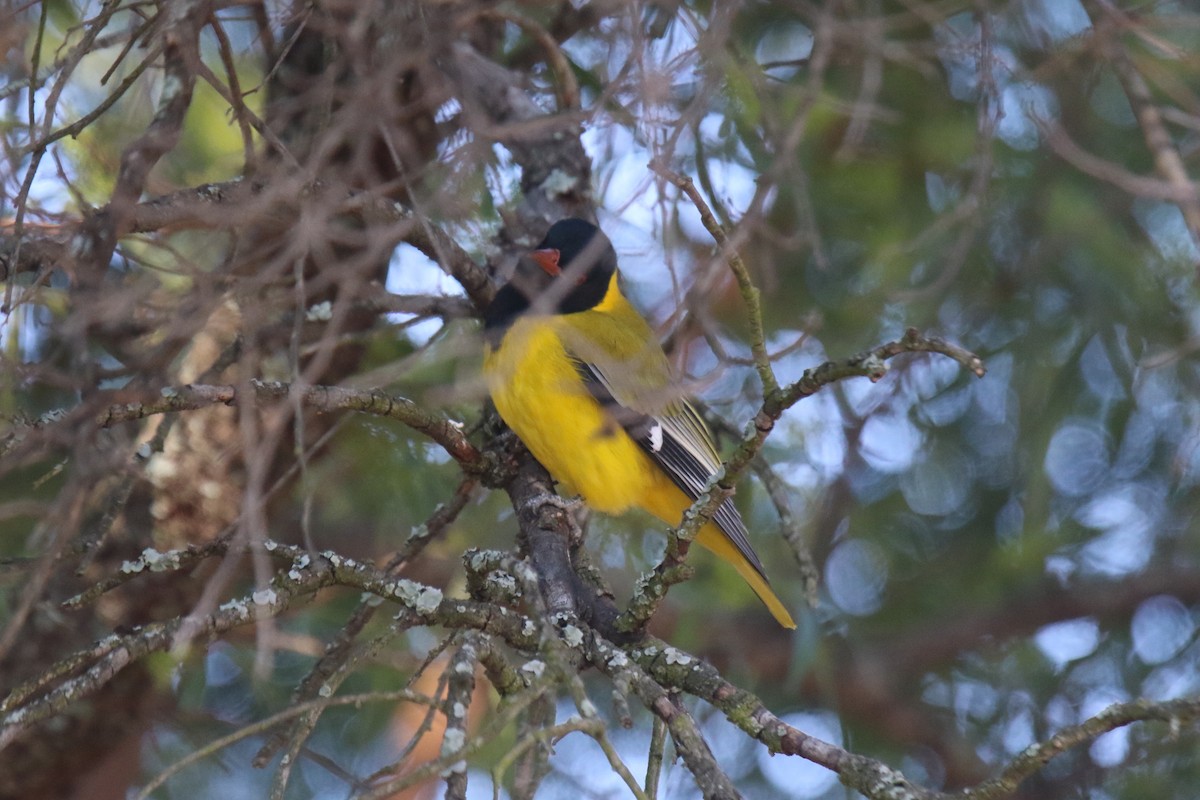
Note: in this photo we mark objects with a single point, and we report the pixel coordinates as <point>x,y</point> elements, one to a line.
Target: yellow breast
<point>542,397</point>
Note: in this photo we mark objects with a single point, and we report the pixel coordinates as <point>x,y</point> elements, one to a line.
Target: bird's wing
<point>675,438</point>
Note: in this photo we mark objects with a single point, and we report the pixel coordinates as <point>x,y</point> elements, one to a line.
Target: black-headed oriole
<point>578,374</point>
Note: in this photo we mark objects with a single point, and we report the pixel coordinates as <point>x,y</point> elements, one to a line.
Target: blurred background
<point>997,557</point>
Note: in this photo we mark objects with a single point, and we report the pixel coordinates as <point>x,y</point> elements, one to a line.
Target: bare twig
<point>1167,161</point>
<point>871,364</point>
<point>180,42</point>
<point>1173,712</point>
<point>667,666</point>
<point>749,291</point>
<point>446,432</point>
<point>1181,193</point>
<point>264,725</point>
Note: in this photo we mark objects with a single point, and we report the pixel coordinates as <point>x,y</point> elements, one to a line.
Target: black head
<point>577,263</point>
<point>577,251</point>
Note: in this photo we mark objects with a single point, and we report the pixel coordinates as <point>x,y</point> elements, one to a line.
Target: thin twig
<point>1167,161</point>
<point>871,364</point>
<point>749,291</point>
<point>446,432</point>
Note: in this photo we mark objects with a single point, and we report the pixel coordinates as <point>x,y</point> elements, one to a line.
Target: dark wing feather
<point>677,440</point>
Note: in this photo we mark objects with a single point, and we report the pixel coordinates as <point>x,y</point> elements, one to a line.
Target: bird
<point>580,377</point>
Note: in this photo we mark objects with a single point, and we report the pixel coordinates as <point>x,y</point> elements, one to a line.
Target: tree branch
<point>871,364</point>
<point>555,169</point>
<point>646,669</point>
<point>180,37</point>
<point>441,429</point>
<point>307,574</point>
<point>238,204</point>
<point>1173,712</point>
<point>749,292</point>
<point>1167,160</point>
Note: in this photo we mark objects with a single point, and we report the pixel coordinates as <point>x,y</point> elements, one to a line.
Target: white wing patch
<point>656,438</point>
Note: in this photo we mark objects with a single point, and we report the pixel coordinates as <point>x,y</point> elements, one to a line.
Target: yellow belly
<point>540,395</point>
<point>543,399</point>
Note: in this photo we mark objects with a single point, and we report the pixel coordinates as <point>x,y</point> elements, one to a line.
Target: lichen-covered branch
<point>653,694</point>
<point>307,573</point>
<point>1175,713</point>
<point>668,666</point>
<point>460,686</point>
<point>646,669</point>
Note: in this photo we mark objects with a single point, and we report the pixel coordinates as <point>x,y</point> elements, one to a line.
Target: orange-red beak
<point>548,260</point>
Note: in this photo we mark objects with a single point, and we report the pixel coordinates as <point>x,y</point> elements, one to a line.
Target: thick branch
<point>555,169</point>
<point>307,574</point>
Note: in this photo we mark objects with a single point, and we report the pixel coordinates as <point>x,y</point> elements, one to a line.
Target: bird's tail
<point>715,540</point>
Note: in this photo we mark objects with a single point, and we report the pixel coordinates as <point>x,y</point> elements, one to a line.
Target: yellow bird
<point>579,375</point>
